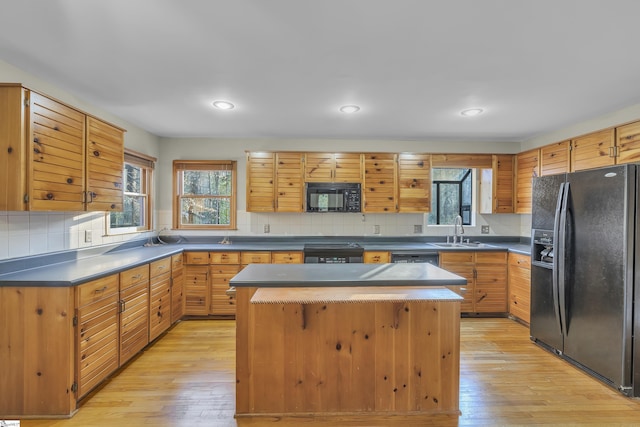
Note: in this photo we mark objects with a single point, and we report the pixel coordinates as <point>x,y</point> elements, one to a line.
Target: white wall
<point>24,233</point>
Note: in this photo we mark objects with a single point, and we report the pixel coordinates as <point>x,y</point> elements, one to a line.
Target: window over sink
<point>451,195</point>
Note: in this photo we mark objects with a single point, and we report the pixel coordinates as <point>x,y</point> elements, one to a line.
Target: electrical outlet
<point>87,236</point>
<point>484,229</point>
<point>417,228</point>
<point>376,229</point>
<point>267,228</point>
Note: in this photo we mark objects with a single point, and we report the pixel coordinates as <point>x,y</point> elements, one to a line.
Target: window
<point>205,194</point>
<point>451,195</point>
<point>136,212</point>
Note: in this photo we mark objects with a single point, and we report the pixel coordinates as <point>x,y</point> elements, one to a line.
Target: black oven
<point>333,197</point>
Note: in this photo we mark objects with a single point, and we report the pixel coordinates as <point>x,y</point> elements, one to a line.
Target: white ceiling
<point>412,65</point>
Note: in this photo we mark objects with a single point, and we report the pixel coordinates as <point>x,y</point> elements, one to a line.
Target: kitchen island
<point>341,340</point>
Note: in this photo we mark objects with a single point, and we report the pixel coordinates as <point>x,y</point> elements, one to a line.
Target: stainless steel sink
<point>461,245</point>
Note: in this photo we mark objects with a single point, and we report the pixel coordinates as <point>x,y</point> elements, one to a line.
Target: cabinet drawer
<point>196,258</point>
<point>519,260</point>
<point>97,290</point>
<point>255,258</point>
<point>456,257</point>
<point>224,257</point>
<point>156,268</point>
<point>491,257</point>
<point>176,262</point>
<point>133,276</point>
<point>286,257</point>
<point>377,257</point>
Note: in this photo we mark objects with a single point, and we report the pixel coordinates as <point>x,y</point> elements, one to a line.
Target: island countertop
<point>333,275</point>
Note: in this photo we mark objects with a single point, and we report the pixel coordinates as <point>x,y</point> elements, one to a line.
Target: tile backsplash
<point>32,233</point>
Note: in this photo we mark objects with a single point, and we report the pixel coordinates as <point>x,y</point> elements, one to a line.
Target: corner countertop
<point>338,275</point>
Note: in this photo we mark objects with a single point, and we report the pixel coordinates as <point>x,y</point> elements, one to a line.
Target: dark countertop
<point>339,275</point>
<point>74,268</point>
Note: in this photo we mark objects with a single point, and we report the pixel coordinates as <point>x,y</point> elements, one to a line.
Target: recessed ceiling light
<point>471,112</point>
<point>223,105</point>
<point>349,109</point>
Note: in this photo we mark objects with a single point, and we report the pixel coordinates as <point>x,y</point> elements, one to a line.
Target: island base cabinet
<point>369,358</point>
<point>36,352</point>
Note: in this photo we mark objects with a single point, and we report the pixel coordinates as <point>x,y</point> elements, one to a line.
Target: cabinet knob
<point>10,150</point>
<point>96,153</point>
<point>69,181</point>
<point>113,206</point>
<point>49,196</point>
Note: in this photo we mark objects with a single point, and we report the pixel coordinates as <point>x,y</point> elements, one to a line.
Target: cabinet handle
<point>161,267</point>
<point>102,289</point>
<point>137,276</point>
<point>231,292</point>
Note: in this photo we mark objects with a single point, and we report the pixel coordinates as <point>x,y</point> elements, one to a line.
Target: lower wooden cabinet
<point>97,333</point>
<point>294,257</point>
<point>520,286</point>
<point>197,293</point>
<point>221,303</point>
<point>377,257</point>
<point>177,288</point>
<point>159,297</point>
<point>134,311</point>
<point>486,274</point>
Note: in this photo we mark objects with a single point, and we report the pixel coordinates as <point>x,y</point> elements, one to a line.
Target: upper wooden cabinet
<point>289,182</point>
<point>527,167</point>
<point>333,167</point>
<point>56,158</point>
<point>628,143</point>
<point>414,183</point>
<point>594,150</point>
<point>379,191</point>
<point>260,182</point>
<point>554,158</point>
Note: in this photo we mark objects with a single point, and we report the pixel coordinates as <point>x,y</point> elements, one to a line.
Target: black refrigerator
<point>583,272</point>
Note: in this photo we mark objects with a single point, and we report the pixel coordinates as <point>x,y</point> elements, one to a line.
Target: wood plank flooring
<point>187,379</point>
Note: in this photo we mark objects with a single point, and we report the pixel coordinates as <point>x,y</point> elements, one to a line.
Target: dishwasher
<point>415,257</point>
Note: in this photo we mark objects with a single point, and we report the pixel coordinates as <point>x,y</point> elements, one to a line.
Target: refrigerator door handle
<point>556,267</point>
<point>561,255</point>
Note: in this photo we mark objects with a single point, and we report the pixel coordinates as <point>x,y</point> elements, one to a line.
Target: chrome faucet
<point>457,223</point>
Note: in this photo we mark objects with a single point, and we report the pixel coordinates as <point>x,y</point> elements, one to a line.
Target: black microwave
<point>333,197</point>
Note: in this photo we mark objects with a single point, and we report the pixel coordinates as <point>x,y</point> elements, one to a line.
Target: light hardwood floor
<point>187,379</point>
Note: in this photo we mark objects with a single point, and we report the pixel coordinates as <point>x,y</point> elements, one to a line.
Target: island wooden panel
<point>369,358</point>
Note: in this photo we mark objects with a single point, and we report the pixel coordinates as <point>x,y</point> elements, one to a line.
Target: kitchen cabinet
<point>376,257</point>
<point>254,257</point>
<point>159,297</point>
<point>414,183</point>
<point>289,182</point>
<point>260,182</point>
<point>486,274</point>
<point>177,288</point>
<point>496,185</point>
<point>134,311</point>
<point>555,158</point>
<point>520,286</point>
<point>97,335</point>
<point>628,143</point>
<point>593,150</point>
<point>288,257</point>
<point>333,167</point>
<point>196,283</point>
<point>527,167</point>
<point>224,265</point>
<point>380,190</point>
<point>57,158</point>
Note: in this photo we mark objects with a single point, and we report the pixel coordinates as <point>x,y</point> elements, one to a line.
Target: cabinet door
<point>520,286</point>
<point>221,303</point>
<point>134,319</point>
<point>260,182</point>
<point>491,282</point>
<point>289,182</point>
<point>105,160</point>
<point>56,151</point>
<point>197,290</point>
<point>13,139</point>
<point>159,304</point>
<point>628,143</point>
<point>177,293</point>
<point>503,167</point>
<point>414,183</point>
<point>319,167</point>
<point>554,158</point>
<point>594,150</point>
<point>377,257</point>
<point>380,188</point>
<point>348,167</point>
<point>527,167</point>
<point>462,264</point>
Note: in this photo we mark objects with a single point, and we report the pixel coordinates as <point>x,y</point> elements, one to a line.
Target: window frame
<point>435,189</point>
<point>204,165</point>
<point>147,165</point>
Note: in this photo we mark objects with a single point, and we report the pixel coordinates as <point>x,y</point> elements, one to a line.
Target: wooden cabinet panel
<point>491,287</point>
<point>503,167</point>
<point>13,146</point>
<point>333,167</point>
<point>196,258</point>
<point>134,312</point>
<point>159,304</point>
<point>380,188</point>
<point>527,167</point>
<point>286,257</point>
<point>289,182</point>
<point>467,271</point>
<point>197,290</point>
<point>377,257</point>
<point>263,257</point>
<point>224,257</point>
<point>348,167</point>
<point>105,160</point>
<point>177,288</point>
<point>260,182</point>
<point>628,143</point>
<point>97,290</point>
<point>593,150</point>
<point>133,276</point>
<point>554,158</point>
<point>414,183</point>
<point>520,286</point>
<point>159,267</point>
<point>461,161</point>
